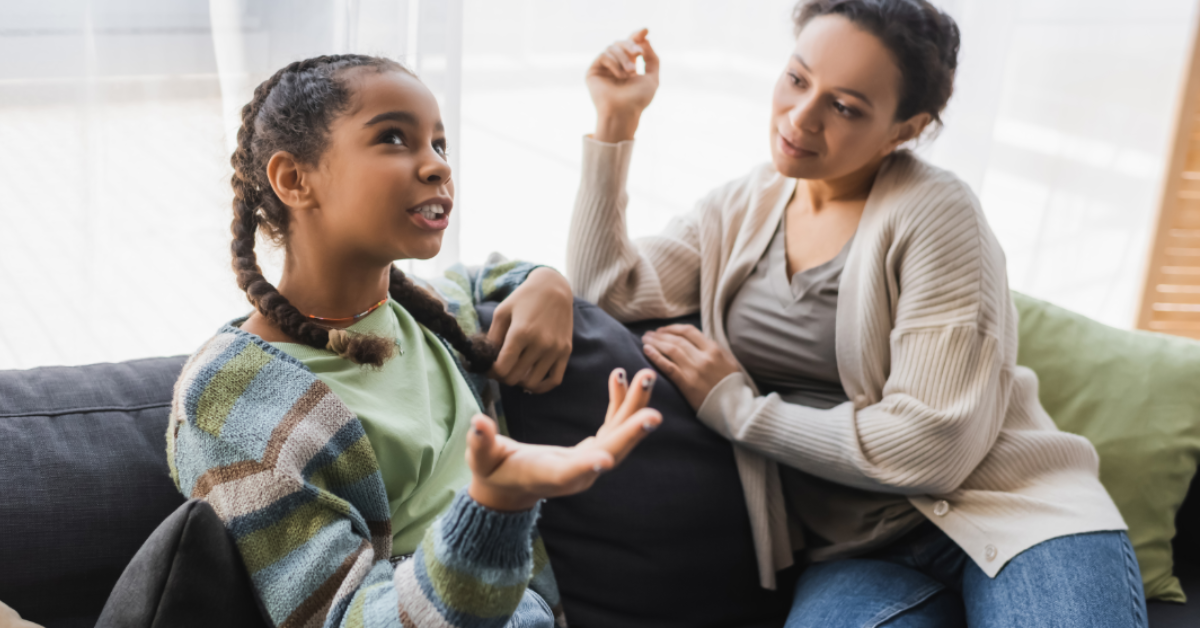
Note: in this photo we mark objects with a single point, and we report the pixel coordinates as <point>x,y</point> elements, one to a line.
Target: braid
<point>278,117</point>
<point>478,352</point>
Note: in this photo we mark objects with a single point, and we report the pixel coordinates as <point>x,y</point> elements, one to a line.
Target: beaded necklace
<point>348,318</point>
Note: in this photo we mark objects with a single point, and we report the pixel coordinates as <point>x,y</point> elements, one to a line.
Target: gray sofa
<point>84,480</point>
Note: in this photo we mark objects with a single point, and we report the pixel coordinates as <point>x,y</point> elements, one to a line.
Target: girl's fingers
<point>620,441</point>
<point>638,396</point>
<point>618,386</point>
<point>482,449</point>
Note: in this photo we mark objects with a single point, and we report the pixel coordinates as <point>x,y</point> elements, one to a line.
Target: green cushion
<point>1136,396</point>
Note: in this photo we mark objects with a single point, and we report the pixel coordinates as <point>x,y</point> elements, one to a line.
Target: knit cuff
<point>605,167</point>
<point>485,537</point>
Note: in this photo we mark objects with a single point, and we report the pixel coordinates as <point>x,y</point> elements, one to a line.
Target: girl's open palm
<point>508,475</point>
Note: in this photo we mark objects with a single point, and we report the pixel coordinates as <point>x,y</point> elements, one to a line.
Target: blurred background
<point>117,120</point>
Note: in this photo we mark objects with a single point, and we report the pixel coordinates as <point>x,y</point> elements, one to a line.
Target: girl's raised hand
<point>513,476</point>
<point>619,93</point>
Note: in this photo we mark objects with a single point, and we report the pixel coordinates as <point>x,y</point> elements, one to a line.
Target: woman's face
<point>834,107</point>
<point>382,187</point>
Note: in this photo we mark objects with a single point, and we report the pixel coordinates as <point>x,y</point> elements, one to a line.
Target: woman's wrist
<point>615,127</point>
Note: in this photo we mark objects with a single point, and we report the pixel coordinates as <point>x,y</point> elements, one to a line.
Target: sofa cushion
<point>83,457</point>
<point>1135,396</point>
<point>188,573</point>
<point>664,540</point>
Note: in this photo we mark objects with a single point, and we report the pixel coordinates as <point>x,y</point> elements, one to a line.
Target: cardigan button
<point>941,508</point>
<point>990,552</point>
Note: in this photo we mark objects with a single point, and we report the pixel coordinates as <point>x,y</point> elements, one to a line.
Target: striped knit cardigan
<point>288,468</point>
<point>926,332</point>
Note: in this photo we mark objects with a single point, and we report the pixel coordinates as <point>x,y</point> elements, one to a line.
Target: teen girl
<point>860,344</point>
<point>334,430</point>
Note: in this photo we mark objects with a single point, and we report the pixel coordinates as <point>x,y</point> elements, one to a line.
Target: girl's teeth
<point>432,212</point>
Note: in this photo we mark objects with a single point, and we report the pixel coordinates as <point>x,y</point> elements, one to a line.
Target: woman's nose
<point>804,116</point>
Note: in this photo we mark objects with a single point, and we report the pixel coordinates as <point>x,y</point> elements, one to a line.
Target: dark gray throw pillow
<point>664,540</point>
<point>188,573</point>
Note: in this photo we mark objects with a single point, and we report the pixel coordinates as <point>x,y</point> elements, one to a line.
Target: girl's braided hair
<point>292,111</point>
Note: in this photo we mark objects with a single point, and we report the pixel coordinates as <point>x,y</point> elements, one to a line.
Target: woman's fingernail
<point>649,427</point>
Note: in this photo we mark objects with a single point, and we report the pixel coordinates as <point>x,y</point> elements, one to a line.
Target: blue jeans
<point>532,612</point>
<point>924,579</point>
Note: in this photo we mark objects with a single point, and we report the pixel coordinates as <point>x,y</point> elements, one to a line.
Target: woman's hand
<point>533,328</point>
<point>619,93</point>
<point>693,362</point>
<point>512,476</point>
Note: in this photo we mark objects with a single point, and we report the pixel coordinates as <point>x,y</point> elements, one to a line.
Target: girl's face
<point>834,107</point>
<point>382,188</point>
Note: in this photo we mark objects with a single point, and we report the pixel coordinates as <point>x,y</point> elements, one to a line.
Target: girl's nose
<point>434,169</point>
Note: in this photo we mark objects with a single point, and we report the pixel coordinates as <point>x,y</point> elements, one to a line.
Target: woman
<point>860,344</point>
<point>334,431</point>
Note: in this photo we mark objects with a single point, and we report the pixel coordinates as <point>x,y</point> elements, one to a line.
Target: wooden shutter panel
<point>1171,300</point>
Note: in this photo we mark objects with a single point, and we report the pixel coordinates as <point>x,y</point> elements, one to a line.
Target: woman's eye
<point>844,110</point>
<point>796,80</point>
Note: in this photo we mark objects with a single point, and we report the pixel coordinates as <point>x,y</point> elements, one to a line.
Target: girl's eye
<point>440,147</point>
<point>393,137</point>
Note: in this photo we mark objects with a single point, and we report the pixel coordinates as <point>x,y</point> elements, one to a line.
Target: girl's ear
<point>289,180</point>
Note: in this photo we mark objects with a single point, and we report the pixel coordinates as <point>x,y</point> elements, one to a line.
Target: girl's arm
<point>288,468</point>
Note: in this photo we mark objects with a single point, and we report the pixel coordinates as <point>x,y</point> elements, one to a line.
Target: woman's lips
<point>791,150</point>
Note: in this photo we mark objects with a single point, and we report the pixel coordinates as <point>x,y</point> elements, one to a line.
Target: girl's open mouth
<point>433,214</point>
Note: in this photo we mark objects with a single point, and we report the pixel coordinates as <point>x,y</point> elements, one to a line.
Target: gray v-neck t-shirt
<point>783,332</point>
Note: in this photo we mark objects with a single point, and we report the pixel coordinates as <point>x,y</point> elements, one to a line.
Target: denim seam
<point>899,607</point>
<point>1134,578</point>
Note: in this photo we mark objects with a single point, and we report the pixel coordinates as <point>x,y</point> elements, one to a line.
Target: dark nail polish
<point>649,427</point>
<point>647,383</point>
<point>621,376</point>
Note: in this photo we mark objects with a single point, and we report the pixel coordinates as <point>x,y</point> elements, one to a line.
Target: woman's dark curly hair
<point>923,41</point>
<point>292,111</point>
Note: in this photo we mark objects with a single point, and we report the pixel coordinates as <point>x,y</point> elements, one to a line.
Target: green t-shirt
<point>416,411</point>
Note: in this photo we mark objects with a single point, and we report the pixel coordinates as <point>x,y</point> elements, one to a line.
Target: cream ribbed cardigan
<point>926,347</point>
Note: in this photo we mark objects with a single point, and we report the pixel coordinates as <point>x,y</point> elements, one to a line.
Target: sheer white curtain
<point>1060,123</point>
<point>117,119</point>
